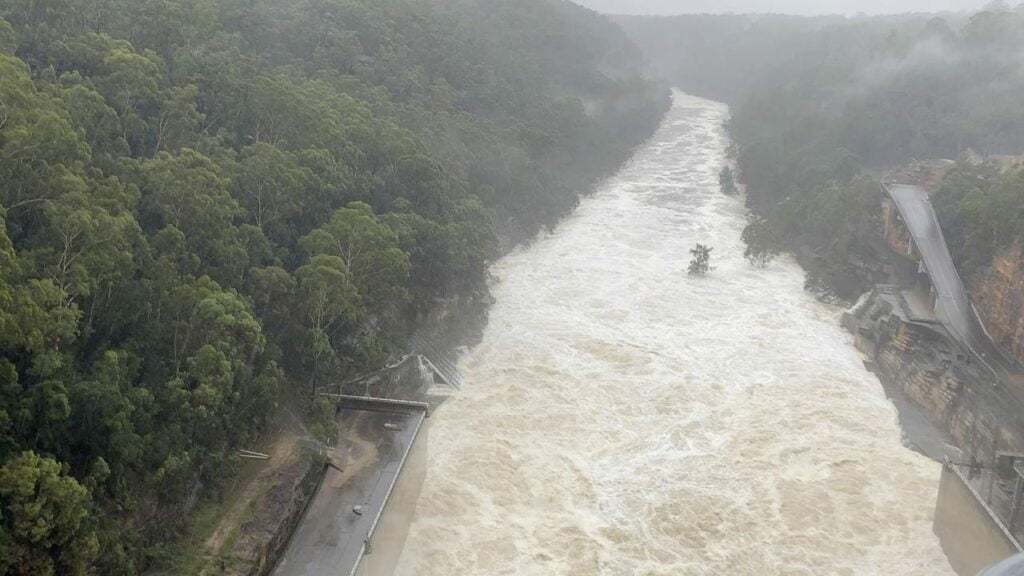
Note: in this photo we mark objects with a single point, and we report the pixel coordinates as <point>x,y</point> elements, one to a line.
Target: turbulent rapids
<point>620,417</point>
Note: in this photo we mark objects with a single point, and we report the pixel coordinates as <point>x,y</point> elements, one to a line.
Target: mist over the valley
<point>802,7</point>
<point>248,246</point>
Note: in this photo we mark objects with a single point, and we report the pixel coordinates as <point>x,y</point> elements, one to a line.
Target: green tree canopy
<point>45,520</point>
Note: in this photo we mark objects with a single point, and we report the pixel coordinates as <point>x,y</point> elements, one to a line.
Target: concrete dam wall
<point>971,533</point>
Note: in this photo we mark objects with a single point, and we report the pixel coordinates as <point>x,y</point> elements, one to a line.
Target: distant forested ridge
<point>822,107</point>
<point>210,205</point>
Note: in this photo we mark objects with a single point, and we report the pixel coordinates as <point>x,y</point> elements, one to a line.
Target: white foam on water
<point>620,417</point>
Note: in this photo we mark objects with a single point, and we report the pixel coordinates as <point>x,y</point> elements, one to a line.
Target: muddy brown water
<point>620,417</point>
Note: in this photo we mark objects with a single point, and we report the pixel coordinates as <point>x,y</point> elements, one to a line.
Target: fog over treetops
<point>810,7</point>
<point>820,106</point>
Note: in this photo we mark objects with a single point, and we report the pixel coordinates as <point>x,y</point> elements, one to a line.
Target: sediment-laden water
<point>620,417</point>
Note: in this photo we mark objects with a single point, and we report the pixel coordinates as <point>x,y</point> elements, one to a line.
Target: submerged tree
<point>727,181</point>
<point>762,241</point>
<point>700,264</point>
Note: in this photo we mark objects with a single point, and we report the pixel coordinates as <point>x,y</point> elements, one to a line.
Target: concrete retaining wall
<point>279,541</point>
<point>970,535</point>
<point>388,539</point>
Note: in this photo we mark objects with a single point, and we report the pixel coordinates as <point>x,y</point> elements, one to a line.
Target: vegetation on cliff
<point>981,207</point>
<point>211,204</point>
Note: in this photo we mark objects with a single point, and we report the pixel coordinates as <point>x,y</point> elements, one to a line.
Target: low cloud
<point>779,6</point>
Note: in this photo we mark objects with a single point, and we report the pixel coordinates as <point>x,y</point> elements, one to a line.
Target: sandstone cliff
<point>998,293</point>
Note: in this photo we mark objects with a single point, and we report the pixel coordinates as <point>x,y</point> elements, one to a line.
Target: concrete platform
<point>919,306</point>
<point>376,443</point>
<point>969,520</point>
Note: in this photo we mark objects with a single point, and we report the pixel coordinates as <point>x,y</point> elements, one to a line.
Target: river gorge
<point>620,417</point>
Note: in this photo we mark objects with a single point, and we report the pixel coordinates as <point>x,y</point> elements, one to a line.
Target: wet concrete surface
<point>969,520</point>
<point>371,450</point>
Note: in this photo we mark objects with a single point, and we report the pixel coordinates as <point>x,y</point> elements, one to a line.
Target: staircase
<point>440,362</point>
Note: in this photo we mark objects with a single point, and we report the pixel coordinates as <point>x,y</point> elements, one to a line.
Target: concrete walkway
<point>333,537</point>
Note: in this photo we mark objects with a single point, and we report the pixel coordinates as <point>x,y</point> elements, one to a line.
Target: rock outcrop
<point>998,294</point>
<point>921,361</point>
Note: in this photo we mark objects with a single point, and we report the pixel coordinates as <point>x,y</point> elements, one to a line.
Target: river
<point>620,417</point>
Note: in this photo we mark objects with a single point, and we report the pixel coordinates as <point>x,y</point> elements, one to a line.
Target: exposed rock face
<point>897,236</point>
<point>926,366</point>
<point>917,360</point>
<point>925,173</point>
<point>998,293</point>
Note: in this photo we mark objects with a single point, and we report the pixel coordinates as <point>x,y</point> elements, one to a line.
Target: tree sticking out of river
<point>762,242</point>
<point>727,181</point>
<point>700,264</point>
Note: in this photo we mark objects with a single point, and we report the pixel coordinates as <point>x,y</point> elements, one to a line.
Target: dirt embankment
<point>285,453</point>
<point>264,503</point>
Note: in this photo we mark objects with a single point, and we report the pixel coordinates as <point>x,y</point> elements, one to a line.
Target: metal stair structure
<point>442,363</point>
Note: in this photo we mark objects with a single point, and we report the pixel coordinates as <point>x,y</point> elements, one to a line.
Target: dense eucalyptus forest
<point>211,207</point>
<point>824,107</point>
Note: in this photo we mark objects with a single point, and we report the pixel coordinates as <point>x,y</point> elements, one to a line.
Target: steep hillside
<point>210,206</point>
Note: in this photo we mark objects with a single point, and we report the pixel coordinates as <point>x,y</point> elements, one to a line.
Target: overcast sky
<point>778,6</point>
